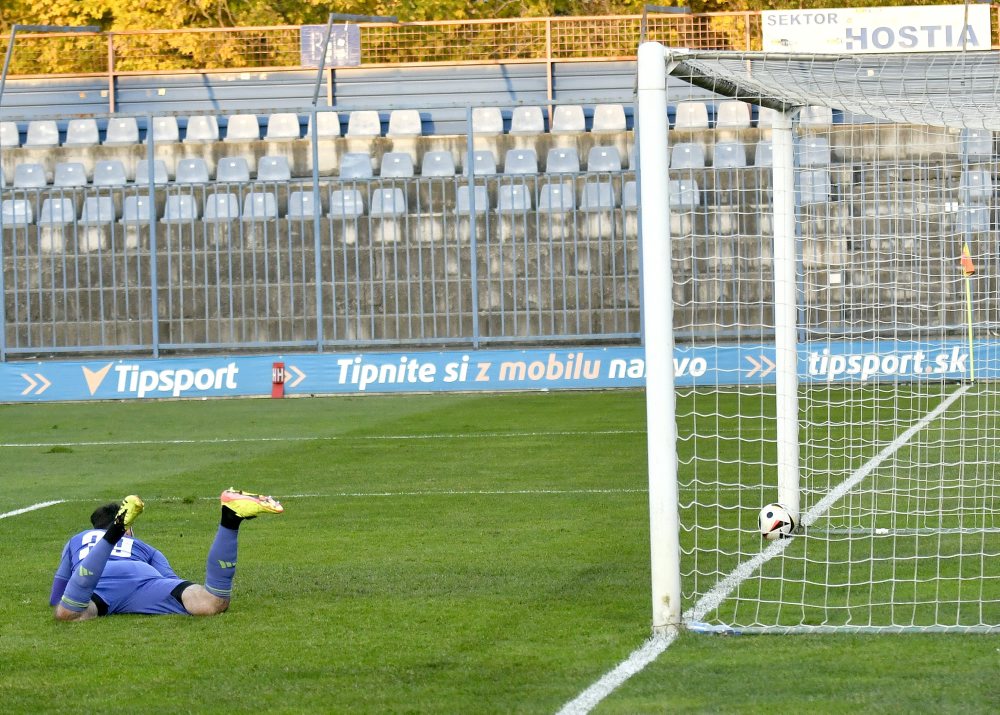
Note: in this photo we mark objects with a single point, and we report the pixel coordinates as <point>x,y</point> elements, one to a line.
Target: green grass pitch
<point>438,554</point>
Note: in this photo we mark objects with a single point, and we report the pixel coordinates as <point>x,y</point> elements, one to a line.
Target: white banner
<point>935,28</point>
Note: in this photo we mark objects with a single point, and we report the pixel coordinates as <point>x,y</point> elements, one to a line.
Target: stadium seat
<point>42,133</point>
<point>814,186</point>
<point>165,130</point>
<point>57,212</point>
<point>556,198</point>
<point>684,194</point>
<point>29,176</point>
<point>300,205</point>
<point>513,198</point>
<point>260,206</point>
<point>82,132</point>
<point>123,131</point>
<point>464,200</point>
<point>568,118</point>
<point>364,123</point>
<point>387,203</point>
<point>687,155</point>
<point>732,114</point>
<point>976,186</point>
<point>327,125</point>
<point>404,123</point>
<point>814,151</point>
<point>179,208</point>
<point>191,171</point>
<point>562,161</point>
<point>110,172</point>
<point>815,117</point>
<point>16,212</point>
<point>765,117</point>
<point>437,163</point>
<point>273,168</point>
<point>630,195</point>
<point>9,135</point>
<point>974,219</point>
<point>97,210</point>
<point>222,206</point>
<point>527,120</point>
<point>763,156</point>
<point>396,164</point>
<point>608,118</point>
<point>136,209</point>
<point>483,163</point>
<point>520,161</point>
<point>487,121</point>
<point>597,196</point>
<point>604,158</point>
<point>69,174</point>
<point>284,126</point>
<point>977,143</point>
<point>242,128</point>
<point>346,203</point>
<point>729,155</point>
<point>232,169</point>
<point>690,114</point>
<point>200,128</point>
<point>159,172</point>
<point>356,165</point>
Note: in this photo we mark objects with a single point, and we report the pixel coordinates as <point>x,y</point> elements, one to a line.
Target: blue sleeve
<point>62,576</point>
<point>159,562</point>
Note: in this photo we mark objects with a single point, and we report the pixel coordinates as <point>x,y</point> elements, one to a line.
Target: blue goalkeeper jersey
<point>132,563</point>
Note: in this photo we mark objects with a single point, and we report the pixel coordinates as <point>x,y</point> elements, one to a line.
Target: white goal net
<point>820,260</point>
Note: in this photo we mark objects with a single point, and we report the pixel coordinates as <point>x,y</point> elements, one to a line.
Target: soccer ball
<point>775,522</point>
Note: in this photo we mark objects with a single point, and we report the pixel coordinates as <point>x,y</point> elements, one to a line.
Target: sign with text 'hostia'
<point>931,28</point>
<point>344,49</point>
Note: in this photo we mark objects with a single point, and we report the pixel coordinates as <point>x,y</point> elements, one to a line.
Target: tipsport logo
<point>952,362</point>
<point>132,379</point>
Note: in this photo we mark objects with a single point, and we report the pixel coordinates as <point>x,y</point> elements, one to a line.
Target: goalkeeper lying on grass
<point>106,570</point>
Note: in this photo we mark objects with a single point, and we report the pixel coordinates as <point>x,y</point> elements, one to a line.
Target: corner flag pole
<point>968,269</point>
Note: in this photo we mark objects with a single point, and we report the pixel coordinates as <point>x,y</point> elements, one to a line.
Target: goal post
<point>835,281</point>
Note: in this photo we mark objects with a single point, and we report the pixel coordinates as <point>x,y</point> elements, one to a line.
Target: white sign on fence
<point>935,28</point>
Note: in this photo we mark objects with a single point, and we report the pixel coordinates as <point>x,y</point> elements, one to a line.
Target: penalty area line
<point>33,507</point>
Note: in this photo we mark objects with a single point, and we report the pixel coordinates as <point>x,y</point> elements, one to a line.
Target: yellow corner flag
<point>967,266</point>
<point>969,269</point>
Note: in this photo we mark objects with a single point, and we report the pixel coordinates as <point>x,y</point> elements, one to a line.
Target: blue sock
<point>84,580</point>
<point>221,566</point>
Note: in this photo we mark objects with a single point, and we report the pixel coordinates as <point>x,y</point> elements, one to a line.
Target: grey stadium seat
<point>57,212</point>
<point>232,169</point>
<point>123,131</point>
<point>687,155</point>
<point>346,203</point>
<point>464,200</point>
<point>180,208</point>
<point>9,135</point>
<point>597,196</point>
<point>356,165</point>
<point>527,120</point>
<point>364,123</point>
<point>97,210</point>
<point>814,186</point>
<point>300,205</point>
<point>396,164</point>
<point>557,198</point>
<point>260,206</point>
<point>387,203</point>
<point>165,130</point>
<point>977,143</point>
<point>327,125</point>
<point>604,158</point>
<point>70,173</point>
<point>814,151</point>
<point>222,206</point>
<point>136,209</point>
<point>29,176</point>
<point>110,172</point>
<point>42,133</point>
<point>976,186</point>
<point>608,118</point>
<point>513,198</point>
<point>691,115</point>
<point>192,171</point>
<point>764,155</point>
<point>684,194</point>
<point>242,128</point>
<point>16,212</point>
<point>283,126</point>
<point>273,168</point>
<point>520,161</point>
<point>82,132</point>
<point>729,155</point>
<point>568,118</point>
<point>159,172</point>
<point>437,163</point>
<point>630,195</point>
<point>732,114</point>
<point>404,123</point>
<point>562,161</point>
<point>483,162</point>
<point>201,128</point>
<point>487,121</point>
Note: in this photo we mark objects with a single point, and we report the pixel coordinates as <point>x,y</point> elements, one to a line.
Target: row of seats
<point>344,203</point>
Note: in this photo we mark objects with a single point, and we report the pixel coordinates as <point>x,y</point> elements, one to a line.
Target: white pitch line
<point>640,658</point>
<point>320,438</point>
<point>33,507</point>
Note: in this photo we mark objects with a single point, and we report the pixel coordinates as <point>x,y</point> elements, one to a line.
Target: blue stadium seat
<point>687,155</point>
<point>512,198</point>
<point>165,130</point>
<point>284,126</point>
<point>69,174</point>
<point>608,118</point>
<point>568,118</point>
<point>159,172</point>
<point>16,213</point>
<point>527,120</point>
<point>123,131</point>
<point>273,168</point>
<point>520,161</point>
<point>487,121</point>
<point>260,206</point>
<point>562,161</point>
<point>200,128</point>
<point>346,203</point>
<point>179,208</point>
<point>110,172</point>
<point>242,128</point>
<point>82,132</point>
<point>597,196</point>
<point>396,164</point>
<point>483,162</point>
<point>732,114</point>
<point>300,205</point>
<point>604,158</point>
<point>327,125</point>
<point>387,203</point>
<point>42,133</point>
<point>232,169</point>
<point>222,206</point>
<point>29,176</point>
<point>464,200</point>
<point>437,163</point>
<point>557,198</point>
<point>691,114</point>
<point>814,186</point>
<point>356,165</point>
<point>729,155</point>
<point>684,194</point>
<point>192,171</point>
<point>9,135</point>
<point>364,123</point>
<point>136,209</point>
<point>404,123</point>
<point>57,212</point>
<point>97,210</point>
